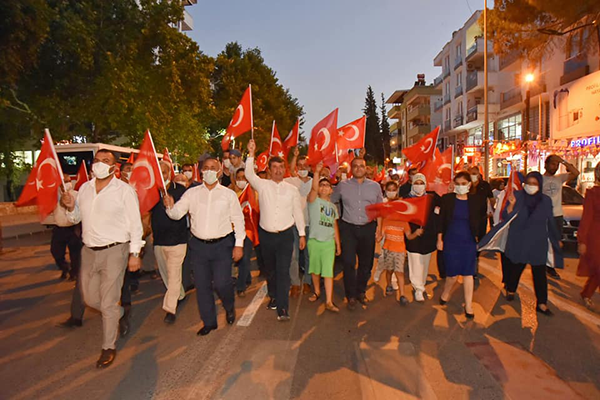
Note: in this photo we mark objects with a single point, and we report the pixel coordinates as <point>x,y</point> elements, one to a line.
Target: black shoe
<point>362,299</point>
<point>72,278</point>
<point>134,288</point>
<point>230,316</point>
<point>206,330</point>
<point>283,315</point>
<point>241,293</point>
<point>106,358</point>
<point>272,304</point>
<point>442,301</point>
<point>468,315</point>
<point>71,323</point>
<point>351,304</point>
<point>552,273</point>
<point>170,318</point>
<point>124,323</point>
<point>510,296</point>
<point>546,312</point>
<point>63,275</point>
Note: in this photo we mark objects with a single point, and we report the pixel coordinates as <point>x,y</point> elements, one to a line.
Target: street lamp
<point>529,78</point>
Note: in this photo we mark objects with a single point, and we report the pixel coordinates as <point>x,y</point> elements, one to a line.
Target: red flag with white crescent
<point>262,161</point>
<point>276,147</point>
<point>414,209</point>
<point>424,149</point>
<point>44,180</point>
<point>251,213</point>
<point>196,174</point>
<point>438,172</point>
<point>167,158</point>
<point>352,135</point>
<point>293,137</point>
<point>513,184</point>
<point>323,139</point>
<point>82,176</point>
<point>146,177</point>
<point>242,120</point>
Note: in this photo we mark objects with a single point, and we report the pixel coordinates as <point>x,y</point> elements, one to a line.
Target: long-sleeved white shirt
<point>110,216</point>
<point>212,213</point>
<point>280,203</point>
<point>59,215</point>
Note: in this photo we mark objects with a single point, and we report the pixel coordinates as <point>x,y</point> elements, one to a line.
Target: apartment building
<point>187,23</point>
<point>414,114</point>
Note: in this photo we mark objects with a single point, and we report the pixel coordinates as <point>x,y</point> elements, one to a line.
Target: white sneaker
<point>419,296</point>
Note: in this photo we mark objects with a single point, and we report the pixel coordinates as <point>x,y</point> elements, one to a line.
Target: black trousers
<point>440,264</point>
<point>357,240</point>
<point>63,237</point>
<point>276,249</point>
<point>212,263</point>
<point>540,282</point>
<point>187,279</point>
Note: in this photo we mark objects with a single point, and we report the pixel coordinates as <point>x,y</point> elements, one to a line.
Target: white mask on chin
<point>390,194</point>
<point>302,173</point>
<point>101,170</point>
<point>227,163</point>
<point>241,184</point>
<point>209,177</point>
<point>188,174</point>
<point>475,178</point>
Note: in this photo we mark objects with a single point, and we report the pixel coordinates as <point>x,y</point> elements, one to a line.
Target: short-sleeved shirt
<point>553,189</point>
<point>354,197</point>
<point>393,232</point>
<point>322,215</point>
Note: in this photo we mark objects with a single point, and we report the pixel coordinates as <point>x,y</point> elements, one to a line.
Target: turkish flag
<point>44,180</point>
<point>167,158</point>
<point>293,137</point>
<point>196,174</point>
<point>380,175</point>
<point>439,172</point>
<point>146,177</point>
<point>322,143</point>
<point>242,120</point>
<point>251,213</point>
<point>82,176</point>
<point>345,156</point>
<point>276,147</point>
<point>513,184</point>
<point>352,135</point>
<point>131,158</point>
<point>226,141</point>
<point>414,209</point>
<point>262,161</point>
<point>424,149</point>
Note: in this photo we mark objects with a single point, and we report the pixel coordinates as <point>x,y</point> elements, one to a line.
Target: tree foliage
<point>385,128</point>
<point>373,138</point>
<point>513,24</point>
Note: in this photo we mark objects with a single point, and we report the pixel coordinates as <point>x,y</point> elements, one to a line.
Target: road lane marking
<point>253,307</point>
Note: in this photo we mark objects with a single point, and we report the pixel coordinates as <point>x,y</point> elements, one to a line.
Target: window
<point>510,128</point>
<point>448,114</point>
<point>576,42</point>
<point>458,55</point>
<point>447,63</point>
<point>459,79</point>
<point>447,88</point>
<point>459,110</point>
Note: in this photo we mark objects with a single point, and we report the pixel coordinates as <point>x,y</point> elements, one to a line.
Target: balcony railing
<point>472,80</point>
<point>438,80</point>
<point>574,68</point>
<point>458,120</point>
<point>438,105</point>
<point>508,59</point>
<point>458,91</point>
<point>416,111</point>
<point>447,125</point>
<point>458,63</point>
<point>511,97</point>
<point>472,114</point>
<point>446,73</point>
<point>446,98</point>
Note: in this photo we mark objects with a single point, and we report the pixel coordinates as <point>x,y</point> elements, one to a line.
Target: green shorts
<point>321,257</point>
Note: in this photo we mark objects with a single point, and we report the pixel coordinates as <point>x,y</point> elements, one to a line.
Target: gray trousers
<point>101,278</point>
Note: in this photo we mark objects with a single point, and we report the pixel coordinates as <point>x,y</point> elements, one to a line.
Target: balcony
<point>475,80</point>
<point>188,22</point>
<point>438,106</point>
<point>508,60</point>
<point>417,130</point>
<point>458,91</point>
<point>458,121</point>
<point>438,80</point>
<point>394,112</point>
<point>475,51</point>
<point>575,68</point>
<point>447,125</point>
<point>457,63</point>
<point>446,73</point>
<point>394,127</point>
<point>511,97</point>
<point>446,98</point>
<point>418,111</point>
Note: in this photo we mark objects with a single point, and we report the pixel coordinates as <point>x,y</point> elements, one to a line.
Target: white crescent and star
<point>38,181</point>
<point>145,164</point>
<point>356,133</point>
<point>410,208</point>
<point>327,135</point>
<point>430,140</point>
<point>240,117</point>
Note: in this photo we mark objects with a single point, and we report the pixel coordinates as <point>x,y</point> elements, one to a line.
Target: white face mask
<point>127,175</point>
<point>188,174</point>
<point>241,184</point>
<point>475,178</point>
<point>418,189</point>
<point>209,176</point>
<point>302,173</point>
<point>462,189</point>
<point>531,189</point>
<point>68,186</point>
<point>391,195</point>
<point>344,176</point>
<point>101,170</point>
<point>227,163</point>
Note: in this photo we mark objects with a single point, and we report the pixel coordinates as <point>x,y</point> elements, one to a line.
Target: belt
<point>283,230</point>
<point>108,246</point>
<point>211,241</point>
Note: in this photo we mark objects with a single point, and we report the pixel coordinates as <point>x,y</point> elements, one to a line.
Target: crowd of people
<point>309,218</point>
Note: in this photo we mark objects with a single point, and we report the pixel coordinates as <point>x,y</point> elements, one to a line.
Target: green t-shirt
<point>322,215</point>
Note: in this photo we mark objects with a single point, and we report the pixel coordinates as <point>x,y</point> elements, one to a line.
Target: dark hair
<point>549,158</point>
<point>412,169</point>
<point>215,159</point>
<point>115,158</point>
<point>357,159</point>
<point>275,160</point>
<point>302,158</point>
<point>462,174</point>
<point>325,180</point>
<point>187,165</point>
<point>390,183</point>
<point>239,170</point>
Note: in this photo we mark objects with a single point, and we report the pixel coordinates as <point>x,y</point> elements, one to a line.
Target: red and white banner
<point>294,136</point>
<point>513,184</point>
<point>424,149</point>
<point>82,176</point>
<point>251,212</point>
<point>242,120</point>
<point>439,171</point>
<point>262,161</point>
<point>414,209</point>
<point>167,158</point>
<point>352,135</point>
<point>276,146</point>
<point>146,177</point>
<point>323,139</point>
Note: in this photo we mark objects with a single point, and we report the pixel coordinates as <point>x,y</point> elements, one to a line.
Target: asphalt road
<point>383,351</point>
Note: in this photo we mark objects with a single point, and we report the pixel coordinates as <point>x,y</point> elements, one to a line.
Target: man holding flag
<point>112,234</point>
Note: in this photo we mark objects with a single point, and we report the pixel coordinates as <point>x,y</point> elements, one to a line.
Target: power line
<point>468,5</point>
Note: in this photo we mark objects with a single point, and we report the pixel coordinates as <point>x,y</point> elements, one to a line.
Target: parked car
<point>572,203</point>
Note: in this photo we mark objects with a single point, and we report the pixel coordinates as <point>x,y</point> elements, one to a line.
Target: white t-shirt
<point>304,189</point>
<point>553,189</point>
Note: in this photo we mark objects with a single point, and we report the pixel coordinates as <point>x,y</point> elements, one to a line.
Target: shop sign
<point>470,151</point>
<point>585,141</point>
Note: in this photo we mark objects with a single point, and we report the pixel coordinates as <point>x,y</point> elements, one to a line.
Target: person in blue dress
<point>457,238</point>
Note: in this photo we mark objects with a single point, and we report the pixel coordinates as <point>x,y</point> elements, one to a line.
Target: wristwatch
<point>136,255</point>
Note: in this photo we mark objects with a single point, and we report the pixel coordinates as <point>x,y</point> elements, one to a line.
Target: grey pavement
<point>385,351</point>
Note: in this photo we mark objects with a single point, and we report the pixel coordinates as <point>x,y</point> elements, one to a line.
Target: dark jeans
<point>244,277</point>
<point>357,240</point>
<point>211,263</point>
<point>277,251</point>
<point>559,226</point>
<point>259,259</point>
<point>540,282</point>
<point>440,264</point>
<point>187,280</point>
<point>63,237</point>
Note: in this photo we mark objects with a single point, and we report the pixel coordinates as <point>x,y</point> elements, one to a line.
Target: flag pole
<point>251,114</point>
<point>271,142</point>
<point>55,156</point>
<point>157,163</point>
<point>453,162</point>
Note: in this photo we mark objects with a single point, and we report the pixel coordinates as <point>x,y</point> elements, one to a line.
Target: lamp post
<point>529,78</point>
<point>554,32</point>
<point>486,117</point>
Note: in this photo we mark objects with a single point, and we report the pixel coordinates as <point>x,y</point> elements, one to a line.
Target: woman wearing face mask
<point>530,236</point>
<point>460,217</point>
<point>423,245</point>
<point>391,194</point>
<point>589,242</point>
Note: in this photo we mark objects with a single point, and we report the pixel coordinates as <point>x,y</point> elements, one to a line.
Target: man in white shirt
<point>553,184</point>
<point>112,231</point>
<point>213,210</point>
<point>303,182</point>
<point>280,209</point>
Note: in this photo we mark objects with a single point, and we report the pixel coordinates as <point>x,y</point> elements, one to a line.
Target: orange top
<point>393,232</point>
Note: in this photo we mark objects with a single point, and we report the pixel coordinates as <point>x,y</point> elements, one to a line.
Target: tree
<point>373,138</point>
<point>385,129</point>
<point>513,25</point>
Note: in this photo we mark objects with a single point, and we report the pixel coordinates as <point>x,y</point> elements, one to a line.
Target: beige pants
<point>170,262</point>
<point>418,265</point>
<point>101,277</point>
